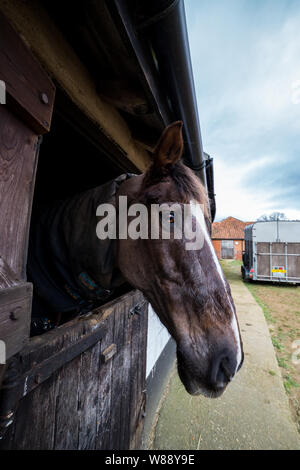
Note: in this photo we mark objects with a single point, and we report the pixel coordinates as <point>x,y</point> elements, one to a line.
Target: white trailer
<point>272,252</point>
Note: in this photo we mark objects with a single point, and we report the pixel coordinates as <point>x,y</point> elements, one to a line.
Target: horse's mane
<point>187,184</point>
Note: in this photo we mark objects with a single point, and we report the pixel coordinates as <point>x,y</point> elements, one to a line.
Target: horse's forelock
<point>186,185</point>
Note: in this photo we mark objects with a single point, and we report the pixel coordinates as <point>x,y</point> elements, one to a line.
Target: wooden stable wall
<point>26,114</point>
<point>83,384</point>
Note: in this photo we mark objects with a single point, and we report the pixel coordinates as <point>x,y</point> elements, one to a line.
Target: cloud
<point>246,62</point>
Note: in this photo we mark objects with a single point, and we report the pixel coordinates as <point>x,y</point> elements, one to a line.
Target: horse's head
<point>186,288</point>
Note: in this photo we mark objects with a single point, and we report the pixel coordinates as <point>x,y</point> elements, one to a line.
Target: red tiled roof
<point>230,228</point>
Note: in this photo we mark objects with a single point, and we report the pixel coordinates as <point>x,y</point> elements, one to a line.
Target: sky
<point>246,64</point>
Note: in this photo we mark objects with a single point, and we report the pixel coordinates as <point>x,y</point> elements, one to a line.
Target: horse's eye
<point>171,217</point>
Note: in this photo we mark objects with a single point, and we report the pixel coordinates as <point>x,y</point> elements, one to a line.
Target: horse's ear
<point>170,146</point>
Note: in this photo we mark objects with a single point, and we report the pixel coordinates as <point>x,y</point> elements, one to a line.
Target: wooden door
<point>227,249</point>
<point>83,385</point>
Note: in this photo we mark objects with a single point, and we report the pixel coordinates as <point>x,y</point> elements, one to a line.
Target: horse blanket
<point>72,270</point>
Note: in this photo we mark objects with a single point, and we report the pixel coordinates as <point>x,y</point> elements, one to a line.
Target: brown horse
<point>187,289</point>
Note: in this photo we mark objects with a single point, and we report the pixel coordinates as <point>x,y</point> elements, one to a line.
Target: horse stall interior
<point>87,99</point>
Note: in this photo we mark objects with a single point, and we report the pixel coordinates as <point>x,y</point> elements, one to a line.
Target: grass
<point>235,262</point>
<point>277,344</point>
<point>289,383</point>
<point>282,363</point>
<point>231,270</point>
<point>265,308</point>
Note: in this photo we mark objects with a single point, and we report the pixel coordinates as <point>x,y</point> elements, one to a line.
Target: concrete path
<point>254,411</point>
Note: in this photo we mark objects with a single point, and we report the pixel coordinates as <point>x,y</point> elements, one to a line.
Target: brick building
<point>228,238</point>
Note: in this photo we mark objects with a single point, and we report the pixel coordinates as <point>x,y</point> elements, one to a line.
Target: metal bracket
<point>137,310</point>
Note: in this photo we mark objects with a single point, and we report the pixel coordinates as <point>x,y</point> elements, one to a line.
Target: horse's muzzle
<point>209,376</point>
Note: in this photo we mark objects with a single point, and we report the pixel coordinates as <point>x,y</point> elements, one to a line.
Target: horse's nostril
<point>223,371</point>
<point>226,370</point>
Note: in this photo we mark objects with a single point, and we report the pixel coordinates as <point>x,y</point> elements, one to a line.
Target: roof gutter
<point>166,30</point>
<point>161,26</point>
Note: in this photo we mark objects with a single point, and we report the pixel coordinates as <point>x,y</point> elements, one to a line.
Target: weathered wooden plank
<point>134,395</point>
<point>138,376</point>
<point>142,381</point>
<point>27,84</point>
<point>126,385</point>
<point>117,375</point>
<point>7,277</point>
<point>105,406</point>
<point>134,378</point>
<point>114,380</point>
<point>88,398</point>
<point>18,152</point>
<point>35,418</point>
<point>66,416</point>
<point>15,306</point>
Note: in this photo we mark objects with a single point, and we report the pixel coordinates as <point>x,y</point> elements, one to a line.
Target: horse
<point>186,288</point>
